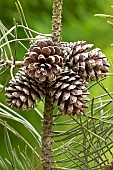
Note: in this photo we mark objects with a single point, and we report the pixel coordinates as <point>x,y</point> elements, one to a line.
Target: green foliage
<point>81,143</point>
<point>18,161</point>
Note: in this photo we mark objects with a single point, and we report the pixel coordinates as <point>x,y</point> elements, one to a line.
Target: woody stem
<point>48,109</point>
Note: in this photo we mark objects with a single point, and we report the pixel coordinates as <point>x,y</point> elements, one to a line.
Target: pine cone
<point>44,61</point>
<point>23,91</point>
<point>70,93</point>
<point>90,65</point>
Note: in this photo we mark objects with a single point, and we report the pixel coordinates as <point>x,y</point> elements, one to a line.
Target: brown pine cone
<point>70,93</point>
<point>89,64</point>
<point>44,61</point>
<point>23,91</point>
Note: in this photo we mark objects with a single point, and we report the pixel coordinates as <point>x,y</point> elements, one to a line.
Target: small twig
<point>24,27</point>
<point>10,63</point>
<point>33,31</point>
<point>16,42</point>
<point>110,23</point>
<point>4,71</point>
<point>11,71</point>
<point>19,39</point>
<point>6,39</point>
<point>106,74</point>
<point>8,32</point>
<point>104,16</point>
<point>22,17</point>
<point>5,29</point>
<point>3,87</point>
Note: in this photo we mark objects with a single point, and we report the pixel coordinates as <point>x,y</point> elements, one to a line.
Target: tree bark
<point>47,132</point>
<point>10,63</point>
<point>57,20</point>
<point>47,163</point>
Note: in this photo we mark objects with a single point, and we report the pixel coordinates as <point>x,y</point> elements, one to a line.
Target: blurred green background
<point>78,23</point>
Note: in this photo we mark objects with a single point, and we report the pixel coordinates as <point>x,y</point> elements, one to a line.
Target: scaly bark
<point>48,109</point>
<point>56,20</point>
<point>46,136</point>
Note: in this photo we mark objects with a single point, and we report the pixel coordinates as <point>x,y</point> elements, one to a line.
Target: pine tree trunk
<point>48,109</point>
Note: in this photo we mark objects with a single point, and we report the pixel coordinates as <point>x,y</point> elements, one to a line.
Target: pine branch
<point>56,20</point>
<point>15,63</point>
<point>47,133</point>
<point>48,110</point>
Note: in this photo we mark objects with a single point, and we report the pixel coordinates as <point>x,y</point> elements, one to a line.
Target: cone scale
<point>23,91</point>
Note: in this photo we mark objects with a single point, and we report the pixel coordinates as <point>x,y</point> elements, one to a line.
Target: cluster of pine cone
<point>62,71</point>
